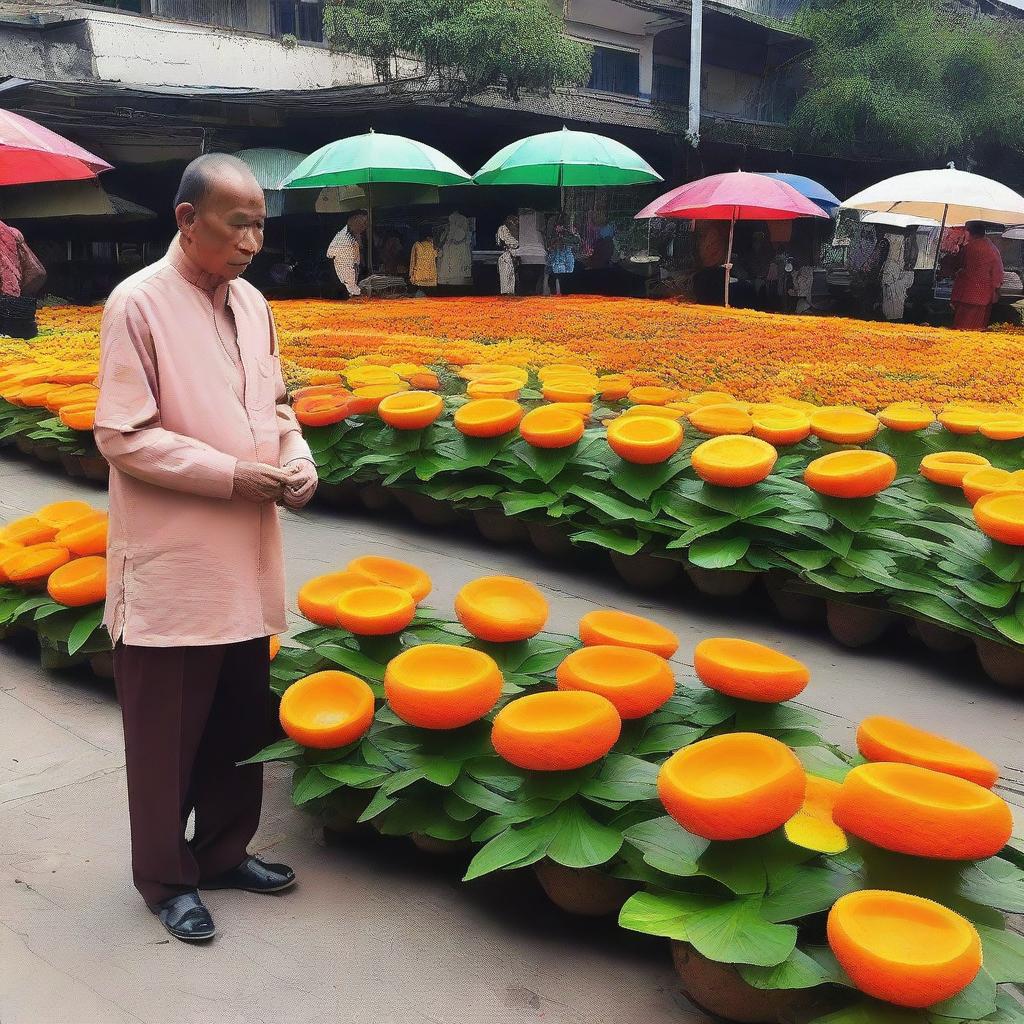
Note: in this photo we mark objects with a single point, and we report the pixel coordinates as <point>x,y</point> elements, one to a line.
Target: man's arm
<point>127,427</point>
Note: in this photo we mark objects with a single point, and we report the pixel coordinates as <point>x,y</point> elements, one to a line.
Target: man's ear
<point>185,215</point>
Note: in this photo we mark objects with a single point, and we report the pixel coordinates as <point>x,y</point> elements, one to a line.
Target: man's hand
<point>302,485</point>
<point>258,482</point>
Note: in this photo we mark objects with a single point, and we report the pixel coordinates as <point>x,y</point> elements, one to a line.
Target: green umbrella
<point>566,158</point>
<point>372,158</point>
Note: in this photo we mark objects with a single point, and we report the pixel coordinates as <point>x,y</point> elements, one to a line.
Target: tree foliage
<point>926,79</point>
<point>470,45</point>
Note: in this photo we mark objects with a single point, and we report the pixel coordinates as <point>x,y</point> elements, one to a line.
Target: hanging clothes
<point>896,279</point>
<point>509,246</point>
<point>455,262</point>
<point>423,265</point>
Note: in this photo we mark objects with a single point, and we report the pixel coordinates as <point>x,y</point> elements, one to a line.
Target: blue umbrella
<point>810,189</point>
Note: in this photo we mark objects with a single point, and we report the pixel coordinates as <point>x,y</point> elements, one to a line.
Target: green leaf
<point>519,846</point>
<point>310,783</point>
<point>666,739</point>
<point>623,778</point>
<point>582,842</point>
<point>667,846</point>
<point>803,890</point>
<point>797,971</point>
<point>480,796</point>
<point>735,933</point>
<point>974,1002</point>
<point>617,510</point>
<point>869,1011</point>
<point>282,750</point>
<point>640,482</point>
<point>354,661</point>
<point>613,540</point>
<point>352,774</point>
<point>1004,954</point>
<point>994,883</point>
<point>84,628</point>
<point>718,552</point>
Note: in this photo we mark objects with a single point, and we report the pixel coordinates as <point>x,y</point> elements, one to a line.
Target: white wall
<point>140,51</point>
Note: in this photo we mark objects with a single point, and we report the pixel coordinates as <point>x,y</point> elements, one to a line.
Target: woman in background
<point>508,244</point>
<point>423,261</point>
<point>562,245</point>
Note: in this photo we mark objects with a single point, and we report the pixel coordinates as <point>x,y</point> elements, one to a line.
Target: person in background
<point>345,251</point>
<point>21,278</point>
<point>392,255</point>
<point>508,244</point>
<point>562,244</point>
<point>711,241</point>
<point>866,281</point>
<point>897,277</point>
<point>193,417</point>
<point>977,281</point>
<point>423,261</point>
<point>760,265</point>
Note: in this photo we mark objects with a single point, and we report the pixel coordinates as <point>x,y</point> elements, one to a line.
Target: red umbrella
<point>30,153</point>
<point>733,197</point>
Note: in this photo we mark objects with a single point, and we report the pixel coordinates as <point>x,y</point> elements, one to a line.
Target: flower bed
<point>776,871</point>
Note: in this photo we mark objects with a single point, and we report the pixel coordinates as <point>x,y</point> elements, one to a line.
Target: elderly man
<point>194,420</point>
<point>977,282</point>
<point>345,251</point>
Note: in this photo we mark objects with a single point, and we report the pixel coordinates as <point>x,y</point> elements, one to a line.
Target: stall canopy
<point>372,159</point>
<point>566,158</point>
<point>63,200</point>
<point>732,197</point>
<point>949,196</point>
<point>271,166</point>
<point>31,153</point>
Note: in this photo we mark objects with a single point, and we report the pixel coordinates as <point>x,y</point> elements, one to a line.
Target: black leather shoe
<point>253,875</point>
<point>186,918</point>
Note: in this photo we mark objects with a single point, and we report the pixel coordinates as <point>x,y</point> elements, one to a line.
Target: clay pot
<point>793,605</point>
<point>584,891</point>
<point>94,467</point>
<point>855,625</point>
<point>645,572</point>
<point>25,444</point>
<point>719,989</point>
<point>426,510</point>
<point>499,528</point>
<point>339,811</point>
<point>46,452</point>
<point>1002,663</point>
<point>549,540</point>
<point>940,639</point>
<point>376,498</point>
<point>343,495</point>
<point>71,464</point>
<point>438,847</point>
<point>720,582</point>
<point>102,664</point>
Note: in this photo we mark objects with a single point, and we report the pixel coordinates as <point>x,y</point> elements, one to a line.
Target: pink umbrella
<point>30,153</point>
<point>733,197</point>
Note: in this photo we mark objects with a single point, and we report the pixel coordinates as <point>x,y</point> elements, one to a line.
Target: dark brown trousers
<point>190,714</point>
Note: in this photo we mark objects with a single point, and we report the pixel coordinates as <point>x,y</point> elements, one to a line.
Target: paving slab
<point>375,933</point>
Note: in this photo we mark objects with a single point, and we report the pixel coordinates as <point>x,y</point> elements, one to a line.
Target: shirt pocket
<point>266,376</point>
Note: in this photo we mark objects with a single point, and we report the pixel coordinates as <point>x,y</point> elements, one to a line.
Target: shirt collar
<point>178,258</point>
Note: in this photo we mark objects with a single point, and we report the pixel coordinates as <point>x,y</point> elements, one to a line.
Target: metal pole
<point>938,248</point>
<point>728,258</point>
<point>696,62</point>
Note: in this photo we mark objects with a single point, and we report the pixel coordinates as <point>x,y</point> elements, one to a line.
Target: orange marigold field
<point>756,356</point>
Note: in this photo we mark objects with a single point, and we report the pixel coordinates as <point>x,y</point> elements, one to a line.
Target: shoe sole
<point>191,939</point>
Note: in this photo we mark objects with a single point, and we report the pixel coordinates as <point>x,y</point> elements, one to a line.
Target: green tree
<point>929,80</point>
<point>469,46</point>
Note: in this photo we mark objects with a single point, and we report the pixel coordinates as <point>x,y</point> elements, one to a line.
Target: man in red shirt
<point>977,282</point>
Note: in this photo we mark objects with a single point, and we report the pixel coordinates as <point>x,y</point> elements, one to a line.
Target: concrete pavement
<point>375,933</point>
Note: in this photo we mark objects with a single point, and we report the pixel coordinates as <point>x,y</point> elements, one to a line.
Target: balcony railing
<point>303,19</point>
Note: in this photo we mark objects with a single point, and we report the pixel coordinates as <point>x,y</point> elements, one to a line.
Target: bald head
<point>220,210</point>
<point>206,172</point>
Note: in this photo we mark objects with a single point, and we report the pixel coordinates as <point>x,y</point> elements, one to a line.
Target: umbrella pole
<point>938,248</point>
<point>728,256</point>
<point>369,231</point>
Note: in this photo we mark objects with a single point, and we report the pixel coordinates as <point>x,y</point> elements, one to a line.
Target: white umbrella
<point>947,195</point>
<point>899,220</point>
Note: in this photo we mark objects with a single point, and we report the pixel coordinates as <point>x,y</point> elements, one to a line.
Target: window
<point>671,84</point>
<point>615,71</point>
<point>133,6</point>
<point>303,19</point>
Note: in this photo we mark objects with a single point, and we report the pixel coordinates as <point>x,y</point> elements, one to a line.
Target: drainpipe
<point>696,34</point>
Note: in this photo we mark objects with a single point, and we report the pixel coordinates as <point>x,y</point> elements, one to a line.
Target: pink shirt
<point>188,564</point>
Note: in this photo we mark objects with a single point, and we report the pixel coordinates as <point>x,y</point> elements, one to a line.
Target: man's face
<point>225,231</point>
